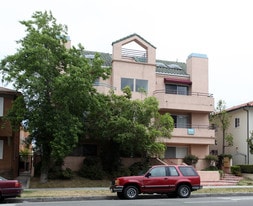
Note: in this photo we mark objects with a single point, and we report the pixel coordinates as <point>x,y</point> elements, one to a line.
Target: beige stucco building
<point>241,118</point>
<point>181,89</point>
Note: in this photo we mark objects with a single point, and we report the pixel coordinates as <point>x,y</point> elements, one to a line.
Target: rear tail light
<point>17,184</point>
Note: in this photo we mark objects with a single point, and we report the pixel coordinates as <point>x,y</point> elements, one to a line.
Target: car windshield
<point>2,178</point>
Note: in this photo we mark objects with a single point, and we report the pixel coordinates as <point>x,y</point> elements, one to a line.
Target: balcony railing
<point>194,126</point>
<point>102,84</point>
<point>194,101</point>
<point>188,94</point>
<point>137,55</point>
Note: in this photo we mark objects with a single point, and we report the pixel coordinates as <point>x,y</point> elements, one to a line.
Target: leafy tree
<point>129,127</point>
<point>222,119</point>
<point>250,142</point>
<point>56,84</point>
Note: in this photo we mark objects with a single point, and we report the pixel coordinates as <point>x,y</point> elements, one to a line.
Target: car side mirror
<point>148,175</point>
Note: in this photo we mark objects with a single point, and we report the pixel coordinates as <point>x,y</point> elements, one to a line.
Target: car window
<point>158,172</point>
<point>188,171</point>
<point>172,171</point>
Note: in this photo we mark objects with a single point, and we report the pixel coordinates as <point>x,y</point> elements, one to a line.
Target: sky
<point>221,29</point>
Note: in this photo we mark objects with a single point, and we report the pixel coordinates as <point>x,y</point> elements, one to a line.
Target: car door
<point>156,180</point>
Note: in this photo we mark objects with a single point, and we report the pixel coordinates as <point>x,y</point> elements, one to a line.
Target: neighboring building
<point>241,119</point>
<point>181,89</point>
<point>9,139</point>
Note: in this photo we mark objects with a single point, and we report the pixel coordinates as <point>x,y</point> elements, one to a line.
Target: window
<point>176,152</point>
<point>1,106</point>
<point>158,172</point>
<point>138,85</point>
<point>237,122</point>
<point>141,85</point>
<point>172,171</point>
<point>176,89</point>
<point>1,149</point>
<point>127,82</point>
<point>187,171</point>
<point>181,121</point>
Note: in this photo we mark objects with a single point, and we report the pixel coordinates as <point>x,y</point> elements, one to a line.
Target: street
<point>207,201</point>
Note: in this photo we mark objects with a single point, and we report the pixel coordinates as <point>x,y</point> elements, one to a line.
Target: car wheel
<point>120,195</point>
<point>131,192</point>
<point>184,191</point>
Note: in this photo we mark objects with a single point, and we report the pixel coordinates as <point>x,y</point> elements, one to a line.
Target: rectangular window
<point>1,149</point>
<point>176,152</point>
<point>141,85</point>
<point>237,122</point>
<point>1,106</point>
<point>181,121</point>
<point>176,89</point>
<point>127,82</point>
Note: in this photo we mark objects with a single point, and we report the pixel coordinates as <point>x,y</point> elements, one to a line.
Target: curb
<point>114,197</point>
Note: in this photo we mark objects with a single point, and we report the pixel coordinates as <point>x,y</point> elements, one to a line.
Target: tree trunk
<point>45,162</point>
<point>44,171</point>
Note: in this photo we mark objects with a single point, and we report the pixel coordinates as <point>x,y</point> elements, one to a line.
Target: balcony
<point>198,135</point>
<point>192,134</point>
<point>199,102</point>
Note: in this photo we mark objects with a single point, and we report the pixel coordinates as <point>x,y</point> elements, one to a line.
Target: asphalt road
<point>199,201</point>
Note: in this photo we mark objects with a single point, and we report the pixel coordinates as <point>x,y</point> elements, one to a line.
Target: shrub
<point>246,168</point>
<point>60,174</point>
<point>191,159</point>
<point>212,159</point>
<point>92,169</point>
<point>211,168</point>
<point>67,174</point>
<point>138,168</point>
<point>236,170</point>
<point>121,172</point>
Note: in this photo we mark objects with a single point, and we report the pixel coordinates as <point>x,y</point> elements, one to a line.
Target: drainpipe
<point>247,110</point>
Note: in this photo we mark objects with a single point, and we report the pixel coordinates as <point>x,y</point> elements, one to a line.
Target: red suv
<point>159,179</point>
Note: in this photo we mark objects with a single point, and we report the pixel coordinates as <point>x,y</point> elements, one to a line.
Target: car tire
<point>131,192</point>
<point>184,191</point>
<point>120,195</point>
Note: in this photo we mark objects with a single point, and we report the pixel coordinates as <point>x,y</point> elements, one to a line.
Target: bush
<point>190,159</point>
<point>60,174</point>
<point>92,169</point>
<point>121,172</point>
<point>67,174</point>
<point>246,168</point>
<point>211,168</point>
<point>236,170</point>
<point>138,168</point>
<point>212,159</point>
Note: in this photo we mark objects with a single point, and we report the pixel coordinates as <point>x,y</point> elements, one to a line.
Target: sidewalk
<point>113,196</point>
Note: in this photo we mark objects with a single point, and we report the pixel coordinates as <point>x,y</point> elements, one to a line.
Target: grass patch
<point>246,182</point>
<point>64,193</point>
<point>73,183</point>
<point>223,190</point>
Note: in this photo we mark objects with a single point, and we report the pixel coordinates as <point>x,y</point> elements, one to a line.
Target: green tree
<point>56,84</point>
<point>250,142</point>
<point>129,127</point>
<point>222,119</point>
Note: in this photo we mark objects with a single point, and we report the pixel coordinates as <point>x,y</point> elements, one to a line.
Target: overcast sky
<point>221,29</point>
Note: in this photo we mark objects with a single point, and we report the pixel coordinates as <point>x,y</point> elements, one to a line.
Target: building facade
<point>241,119</point>
<point>9,139</point>
<point>180,88</point>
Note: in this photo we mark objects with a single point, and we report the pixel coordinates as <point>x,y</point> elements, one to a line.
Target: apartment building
<point>180,88</point>
<point>241,118</point>
<point>9,139</point>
